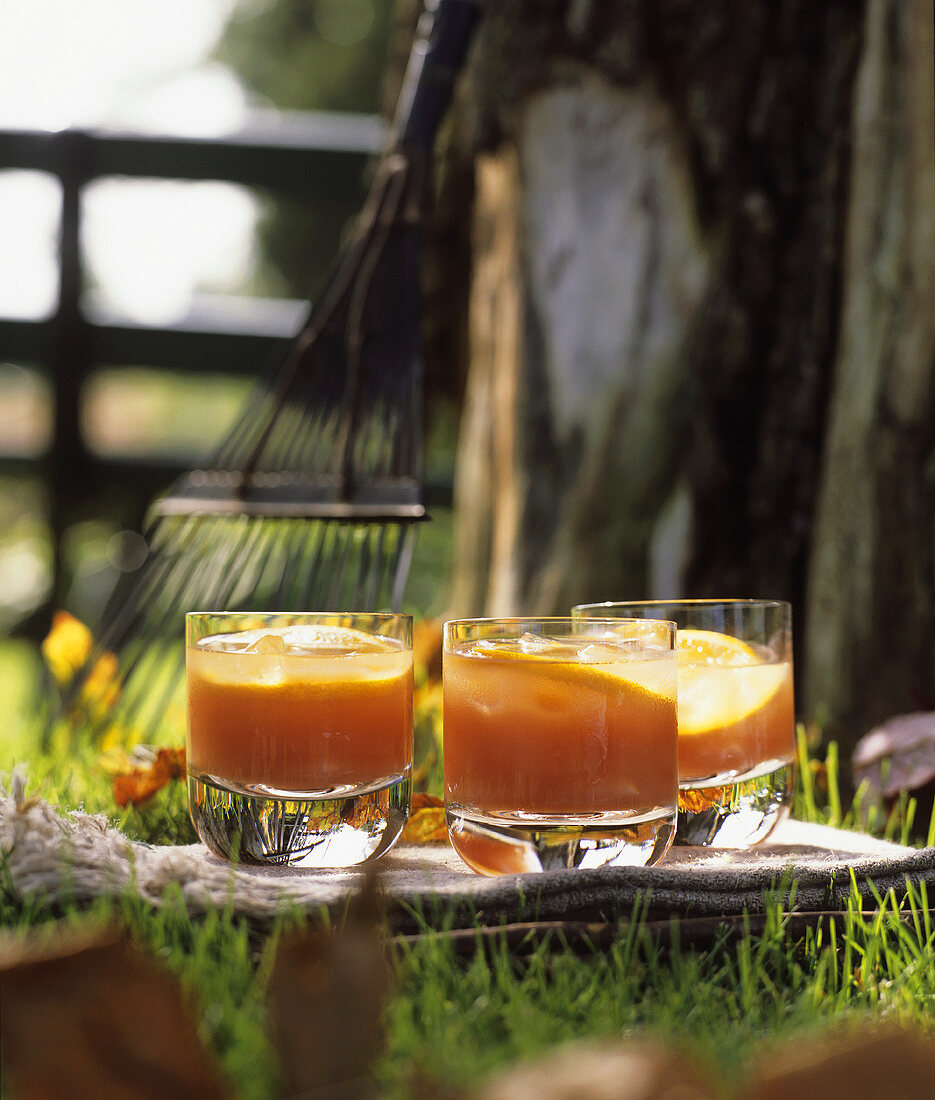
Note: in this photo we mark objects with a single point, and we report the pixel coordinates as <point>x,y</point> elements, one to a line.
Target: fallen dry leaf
<point>86,1014</point>
<point>426,824</point>
<point>871,1060</point>
<point>326,996</point>
<point>139,784</point>
<point>898,755</point>
<point>427,648</point>
<point>637,1069</point>
<point>694,801</point>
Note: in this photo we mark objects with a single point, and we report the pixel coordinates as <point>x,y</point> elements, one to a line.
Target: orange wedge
<point>707,647</point>
<point>722,681</point>
<point>644,678</point>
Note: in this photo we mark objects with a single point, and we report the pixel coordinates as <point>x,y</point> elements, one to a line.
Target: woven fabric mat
<point>80,856</point>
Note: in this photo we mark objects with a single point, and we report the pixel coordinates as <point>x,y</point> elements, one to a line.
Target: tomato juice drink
<point>308,717</point>
<point>560,748</point>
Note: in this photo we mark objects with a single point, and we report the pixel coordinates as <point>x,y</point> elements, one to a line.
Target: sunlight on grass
<point>19,679</point>
<point>454,1019</point>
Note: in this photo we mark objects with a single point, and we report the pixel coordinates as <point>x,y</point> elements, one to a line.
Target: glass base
<point>516,843</point>
<point>737,813</point>
<point>300,830</point>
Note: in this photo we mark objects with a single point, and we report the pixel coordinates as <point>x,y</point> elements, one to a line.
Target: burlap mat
<point>79,856</point>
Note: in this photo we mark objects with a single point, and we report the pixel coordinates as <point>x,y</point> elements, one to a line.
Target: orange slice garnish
<point>722,680</point>
<point>648,679</point>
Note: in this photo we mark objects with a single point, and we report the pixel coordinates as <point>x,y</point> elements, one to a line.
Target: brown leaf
<point>427,648</point>
<point>872,1060</point>
<point>631,1070</point>
<point>699,800</point>
<point>326,996</point>
<point>141,783</point>
<point>898,755</point>
<point>426,824</point>
<point>86,1014</point>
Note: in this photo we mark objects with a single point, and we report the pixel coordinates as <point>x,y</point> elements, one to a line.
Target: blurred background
<point>678,287</point>
<point>176,178</point>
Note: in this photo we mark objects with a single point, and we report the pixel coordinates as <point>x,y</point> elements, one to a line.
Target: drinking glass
<point>560,742</point>
<point>736,714</point>
<point>299,734</point>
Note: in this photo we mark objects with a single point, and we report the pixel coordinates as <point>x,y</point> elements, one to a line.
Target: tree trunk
<point>669,294</point>
<point>872,580</point>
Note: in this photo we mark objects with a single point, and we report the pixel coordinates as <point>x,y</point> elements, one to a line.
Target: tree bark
<point>588,255</point>
<point>667,310</point>
<point>872,578</point>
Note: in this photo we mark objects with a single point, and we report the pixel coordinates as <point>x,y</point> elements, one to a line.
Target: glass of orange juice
<point>299,745</point>
<point>736,714</point>
<point>560,742</point>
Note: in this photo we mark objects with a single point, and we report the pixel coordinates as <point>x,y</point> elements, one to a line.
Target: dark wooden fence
<point>311,157</point>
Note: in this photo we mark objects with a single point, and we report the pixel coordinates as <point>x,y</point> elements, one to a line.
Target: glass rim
<point>379,615</point>
<point>642,630</point>
<point>511,620</point>
<point>703,602</point>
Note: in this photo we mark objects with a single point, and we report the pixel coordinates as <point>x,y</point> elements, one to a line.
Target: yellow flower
<point>66,649</point>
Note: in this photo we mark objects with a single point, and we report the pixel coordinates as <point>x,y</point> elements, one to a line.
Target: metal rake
<point>312,502</point>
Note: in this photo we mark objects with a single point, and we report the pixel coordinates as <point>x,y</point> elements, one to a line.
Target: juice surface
<point>299,708</point>
<point>736,707</point>
<point>553,736</point>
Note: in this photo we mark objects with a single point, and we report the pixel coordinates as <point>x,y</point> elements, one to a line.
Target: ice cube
<point>494,646</point>
<point>537,645</point>
<point>268,645</point>
<point>610,649</point>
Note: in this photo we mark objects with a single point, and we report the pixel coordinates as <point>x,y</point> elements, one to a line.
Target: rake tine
<point>403,562</point>
<point>148,694</point>
<point>251,414</point>
<point>344,438</point>
<point>275,565</point>
<point>318,576</point>
<point>307,582</point>
<point>158,615</point>
<point>373,584</point>
<point>363,566</point>
<point>292,551</point>
<point>232,542</point>
<point>211,579</point>
<point>302,535</point>
<point>191,562</point>
<point>168,674</point>
<point>244,583</point>
<point>114,637</point>
<point>121,617</point>
<point>312,536</point>
<point>343,539</point>
<point>213,567</point>
<point>342,403</point>
<point>250,536</point>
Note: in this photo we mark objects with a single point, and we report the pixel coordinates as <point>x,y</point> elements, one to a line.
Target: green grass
<point>451,1019</point>
<point>458,1020</point>
<point>454,1020</point>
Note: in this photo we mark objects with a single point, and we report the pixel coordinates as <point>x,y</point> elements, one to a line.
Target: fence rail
<point>307,156</point>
